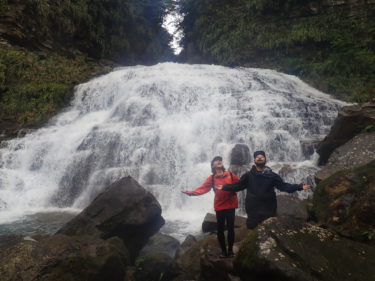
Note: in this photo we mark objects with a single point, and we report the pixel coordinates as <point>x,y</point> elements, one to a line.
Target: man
<point>225,203</point>
<point>260,181</point>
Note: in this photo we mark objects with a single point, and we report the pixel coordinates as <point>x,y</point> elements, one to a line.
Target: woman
<point>225,203</point>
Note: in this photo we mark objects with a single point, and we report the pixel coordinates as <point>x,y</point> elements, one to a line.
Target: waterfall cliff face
<point>162,125</point>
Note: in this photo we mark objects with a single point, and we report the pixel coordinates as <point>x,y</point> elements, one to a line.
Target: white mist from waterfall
<point>162,125</point>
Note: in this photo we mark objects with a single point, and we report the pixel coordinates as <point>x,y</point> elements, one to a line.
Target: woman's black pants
<point>222,217</point>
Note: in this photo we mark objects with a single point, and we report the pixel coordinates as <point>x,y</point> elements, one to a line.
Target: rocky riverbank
<point>117,238</point>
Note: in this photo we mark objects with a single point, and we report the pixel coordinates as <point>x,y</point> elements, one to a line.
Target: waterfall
<point>162,125</point>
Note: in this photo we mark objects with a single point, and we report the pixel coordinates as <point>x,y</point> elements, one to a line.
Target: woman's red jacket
<point>223,199</point>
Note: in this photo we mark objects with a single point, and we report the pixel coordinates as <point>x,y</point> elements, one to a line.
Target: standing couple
<point>260,202</point>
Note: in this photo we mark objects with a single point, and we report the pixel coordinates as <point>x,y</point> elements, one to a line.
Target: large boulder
<point>346,202</point>
<point>285,249</point>
<point>209,223</point>
<point>64,258</point>
<point>124,209</point>
<point>357,152</point>
<point>351,121</point>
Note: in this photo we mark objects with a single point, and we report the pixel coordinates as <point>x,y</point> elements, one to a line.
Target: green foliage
<point>369,128</point>
<point>34,102</point>
<point>35,86</point>
<point>330,47</point>
<point>120,30</point>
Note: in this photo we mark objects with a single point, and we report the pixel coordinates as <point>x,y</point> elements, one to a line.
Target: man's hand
<point>219,186</point>
<point>306,186</point>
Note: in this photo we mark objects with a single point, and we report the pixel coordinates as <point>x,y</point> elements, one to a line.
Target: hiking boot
<point>223,255</point>
<point>231,254</point>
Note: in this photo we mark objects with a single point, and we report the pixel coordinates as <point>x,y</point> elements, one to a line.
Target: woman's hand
<point>186,192</point>
<point>219,187</point>
<point>306,186</point>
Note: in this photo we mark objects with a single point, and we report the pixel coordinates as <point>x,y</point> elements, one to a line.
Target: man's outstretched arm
<point>237,186</point>
<point>288,187</point>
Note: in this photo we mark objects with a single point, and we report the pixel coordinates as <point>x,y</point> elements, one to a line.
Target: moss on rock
<point>287,249</point>
<point>346,202</point>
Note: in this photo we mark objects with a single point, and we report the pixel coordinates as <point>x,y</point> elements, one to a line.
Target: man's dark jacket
<point>260,196</point>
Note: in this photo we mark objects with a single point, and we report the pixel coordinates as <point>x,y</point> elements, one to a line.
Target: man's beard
<point>260,164</point>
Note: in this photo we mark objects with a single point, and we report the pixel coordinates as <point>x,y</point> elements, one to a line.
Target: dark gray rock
<point>292,207</point>
<point>161,244</point>
<point>357,152</point>
<point>189,241</point>
<point>240,155</point>
<point>286,249</point>
<point>351,121</point>
<point>309,147</point>
<point>124,209</point>
<point>239,170</point>
<point>209,223</point>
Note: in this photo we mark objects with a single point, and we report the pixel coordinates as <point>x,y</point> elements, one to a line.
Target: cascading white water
<point>162,125</point>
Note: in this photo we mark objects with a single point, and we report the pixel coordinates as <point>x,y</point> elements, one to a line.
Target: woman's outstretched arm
<point>204,188</point>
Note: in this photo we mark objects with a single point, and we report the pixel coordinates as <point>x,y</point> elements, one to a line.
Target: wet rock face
<point>292,207</point>
<point>125,209</point>
<point>290,250</point>
<point>357,152</point>
<point>351,121</point>
<point>240,155</point>
<point>346,202</point>
<point>63,258</point>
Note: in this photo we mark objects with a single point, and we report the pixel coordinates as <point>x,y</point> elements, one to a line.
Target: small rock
<point>28,238</point>
<point>161,244</point>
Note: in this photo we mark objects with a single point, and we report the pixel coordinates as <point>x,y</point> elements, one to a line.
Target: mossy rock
<point>155,267</point>
<point>289,250</point>
<point>65,258</point>
<point>346,202</point>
